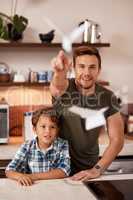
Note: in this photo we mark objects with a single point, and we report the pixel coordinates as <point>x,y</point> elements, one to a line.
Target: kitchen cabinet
<point>3,164</point>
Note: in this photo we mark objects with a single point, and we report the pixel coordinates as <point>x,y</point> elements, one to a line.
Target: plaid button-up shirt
<point>30,159</point>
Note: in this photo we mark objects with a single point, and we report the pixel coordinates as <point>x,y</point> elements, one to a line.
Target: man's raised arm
<point>61,65</point>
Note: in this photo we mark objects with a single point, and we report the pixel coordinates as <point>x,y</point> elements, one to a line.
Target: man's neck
<point>86,91</point>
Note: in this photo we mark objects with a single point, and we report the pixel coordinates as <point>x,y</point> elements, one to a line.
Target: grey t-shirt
<point>84,148</point>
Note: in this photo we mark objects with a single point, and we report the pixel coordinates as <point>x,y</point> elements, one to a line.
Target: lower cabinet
<point>3,164</point>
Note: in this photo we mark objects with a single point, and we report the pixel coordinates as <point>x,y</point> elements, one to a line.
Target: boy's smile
<point>46,131</point>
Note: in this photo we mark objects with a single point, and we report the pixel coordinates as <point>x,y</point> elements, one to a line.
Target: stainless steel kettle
<point>92,33</point>
<point>95,33</point>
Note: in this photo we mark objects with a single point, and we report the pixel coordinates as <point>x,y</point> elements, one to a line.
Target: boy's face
<point>46,130</point>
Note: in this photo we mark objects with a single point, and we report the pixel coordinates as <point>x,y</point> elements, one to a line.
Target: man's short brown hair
<point>48,112</point>
<point>85,50</point>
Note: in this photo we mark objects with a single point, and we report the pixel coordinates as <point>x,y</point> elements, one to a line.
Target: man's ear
<point>99,71</point>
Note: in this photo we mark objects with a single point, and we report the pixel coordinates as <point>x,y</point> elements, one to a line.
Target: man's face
<point>46,131</point>
<point>86,71</point>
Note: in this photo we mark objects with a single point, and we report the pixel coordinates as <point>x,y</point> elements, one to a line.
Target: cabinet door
<point>3,164</point>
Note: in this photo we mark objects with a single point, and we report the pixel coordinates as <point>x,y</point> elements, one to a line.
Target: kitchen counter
<point>46,189</point>
<point>51,189</point>
<point>8,151</point>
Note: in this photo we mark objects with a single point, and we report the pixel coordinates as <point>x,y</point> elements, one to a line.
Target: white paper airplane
<point>73,36</point>
<point>94,118</point>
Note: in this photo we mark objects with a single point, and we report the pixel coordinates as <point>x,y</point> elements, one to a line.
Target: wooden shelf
<point>44,45</point>
<point>28,84</point>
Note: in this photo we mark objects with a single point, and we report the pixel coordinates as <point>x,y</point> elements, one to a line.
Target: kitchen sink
<point>121,165</point>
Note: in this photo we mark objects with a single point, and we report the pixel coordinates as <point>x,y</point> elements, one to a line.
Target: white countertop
<point>52,189</point>
<point>44,190</point>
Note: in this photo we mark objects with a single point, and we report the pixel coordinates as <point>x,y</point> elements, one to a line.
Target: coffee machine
<point>4,122</point>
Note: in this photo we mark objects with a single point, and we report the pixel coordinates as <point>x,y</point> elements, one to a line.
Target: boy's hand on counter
<point>86,175</point>
<point>25,180</point>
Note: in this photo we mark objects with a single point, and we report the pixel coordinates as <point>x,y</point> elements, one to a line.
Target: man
<point>83,91</point>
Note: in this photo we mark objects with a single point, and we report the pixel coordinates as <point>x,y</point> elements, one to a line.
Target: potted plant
<point>12,27</point>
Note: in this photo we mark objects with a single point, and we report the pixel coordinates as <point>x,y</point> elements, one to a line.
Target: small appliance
<point>4,122</point>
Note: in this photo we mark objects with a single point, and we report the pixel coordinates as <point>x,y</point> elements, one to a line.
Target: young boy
<point>46,156</point>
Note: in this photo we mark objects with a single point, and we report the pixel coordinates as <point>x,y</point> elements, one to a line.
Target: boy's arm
<point>23,179</point>
<point>18,163</point>
<point>59,83</point>
<point>13,174</point>
<point>52,174</point>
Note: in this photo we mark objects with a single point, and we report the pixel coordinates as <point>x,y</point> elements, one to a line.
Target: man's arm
<point>59,83</point>
<point>116,141</point>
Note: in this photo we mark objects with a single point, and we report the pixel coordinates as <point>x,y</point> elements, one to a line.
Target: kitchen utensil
<point>4,72</point>
<point>91,33</point>
<point>4,68</point>
<point>18,77</point>
<point>47,37</point>
<point>32,76</point>
<point>4,78</point>
<point>42,76</point>
<point>95,34</point>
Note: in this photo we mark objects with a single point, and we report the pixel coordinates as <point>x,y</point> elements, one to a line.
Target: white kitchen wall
<point>115,18</point>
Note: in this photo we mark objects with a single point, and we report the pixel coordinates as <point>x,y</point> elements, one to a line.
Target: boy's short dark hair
<point>86,50</point>
<point>47,111</point>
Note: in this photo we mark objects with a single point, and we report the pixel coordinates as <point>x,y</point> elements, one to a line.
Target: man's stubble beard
<point>79,85</point>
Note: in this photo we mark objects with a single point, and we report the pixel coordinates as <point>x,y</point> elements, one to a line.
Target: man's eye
<point>92,67</point>
<point>81,66</point>
<point>43,126</point>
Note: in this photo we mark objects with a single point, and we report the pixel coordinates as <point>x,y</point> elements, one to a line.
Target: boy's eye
<point>52,127</point>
